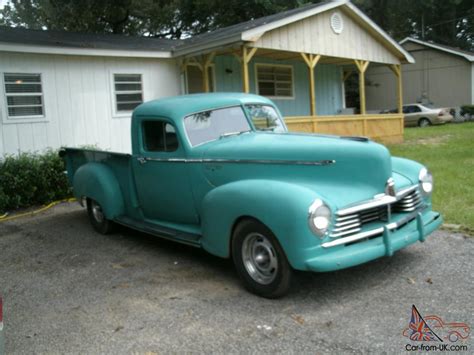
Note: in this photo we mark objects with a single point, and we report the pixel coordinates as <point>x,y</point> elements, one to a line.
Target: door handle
<point>141,160</point>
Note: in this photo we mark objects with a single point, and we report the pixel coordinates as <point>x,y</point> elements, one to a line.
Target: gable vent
<point>337,24</point>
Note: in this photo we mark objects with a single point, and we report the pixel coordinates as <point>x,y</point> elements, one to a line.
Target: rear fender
<point>282,207</point>
<point>98,182</point>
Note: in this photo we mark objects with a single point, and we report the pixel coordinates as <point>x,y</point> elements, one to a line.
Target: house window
<point>275,80</point>
<point>24,94</point>
<point>159,136</point>
<point>128,92</point>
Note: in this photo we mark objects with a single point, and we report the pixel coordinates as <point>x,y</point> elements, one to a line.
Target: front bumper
<point>345,256</point>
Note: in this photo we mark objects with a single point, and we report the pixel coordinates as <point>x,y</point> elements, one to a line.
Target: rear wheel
<point>97,218</point>
<point>260,261</point>
<point>424,122</point>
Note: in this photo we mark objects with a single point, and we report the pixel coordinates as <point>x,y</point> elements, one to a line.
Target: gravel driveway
<point>67,289</point>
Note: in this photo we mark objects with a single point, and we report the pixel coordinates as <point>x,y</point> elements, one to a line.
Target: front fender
<point>406,167</point>
<point>98,182</point>
<point>282,207</point>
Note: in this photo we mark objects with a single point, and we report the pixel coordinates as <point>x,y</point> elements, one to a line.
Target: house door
<point>194,79</point>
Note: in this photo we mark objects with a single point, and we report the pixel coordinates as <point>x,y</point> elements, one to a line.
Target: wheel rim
<point>97,212</point>
<point>424,123</point>
<point>260,259</point>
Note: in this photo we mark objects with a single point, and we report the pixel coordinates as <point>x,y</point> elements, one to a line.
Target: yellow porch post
<point>247,54</point>
<point>361,68</point>
<point>311,61</point>
<point>206,63</point>
<point>397,70</point>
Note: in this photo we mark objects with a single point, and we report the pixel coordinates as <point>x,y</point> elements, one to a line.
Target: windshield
<point>210,125</point>
<point>265,118</point>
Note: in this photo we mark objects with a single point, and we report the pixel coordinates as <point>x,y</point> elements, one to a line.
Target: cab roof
<point>177,107</point>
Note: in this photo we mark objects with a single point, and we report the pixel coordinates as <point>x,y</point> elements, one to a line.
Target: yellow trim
<point>397,70</point>
<point>362,67</point>
<point>311,61</point>
<point>5,217</point>
<point>247,54</point>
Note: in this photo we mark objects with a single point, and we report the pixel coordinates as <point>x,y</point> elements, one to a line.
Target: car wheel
<point>260,260</point>
<point>424,122</point>
<point>97,218</point>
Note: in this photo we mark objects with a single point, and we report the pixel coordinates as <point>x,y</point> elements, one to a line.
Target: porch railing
<point>385,128</point>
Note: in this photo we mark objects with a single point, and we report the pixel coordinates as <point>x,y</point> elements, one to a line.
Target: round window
<point>337,24</point>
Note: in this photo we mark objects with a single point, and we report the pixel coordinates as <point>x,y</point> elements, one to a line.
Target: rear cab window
<point>159,136</point>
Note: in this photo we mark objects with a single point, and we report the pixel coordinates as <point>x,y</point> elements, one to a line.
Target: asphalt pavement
<point>67,289</point>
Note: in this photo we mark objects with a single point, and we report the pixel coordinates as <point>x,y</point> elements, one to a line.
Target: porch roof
<point>251,32</point>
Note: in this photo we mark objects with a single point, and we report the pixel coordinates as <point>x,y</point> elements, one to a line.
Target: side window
<point>159,136</point>
<point>24,94</point>
<point>416,109</point>
<point>406,109</point>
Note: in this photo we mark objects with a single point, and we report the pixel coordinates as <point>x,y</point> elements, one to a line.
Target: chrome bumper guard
<point>377,231</point>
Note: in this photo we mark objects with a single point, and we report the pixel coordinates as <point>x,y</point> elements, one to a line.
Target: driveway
<point>67,289</point>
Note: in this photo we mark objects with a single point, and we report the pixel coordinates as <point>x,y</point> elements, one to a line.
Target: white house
<point>74,89</point>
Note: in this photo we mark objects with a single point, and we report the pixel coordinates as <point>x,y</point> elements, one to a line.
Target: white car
<point>422,116</point>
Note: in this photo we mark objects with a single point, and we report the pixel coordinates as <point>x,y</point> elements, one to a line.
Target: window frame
<point>163,121</point>
<point>25,118</point>
<point>257,86</point>
<point>115,112</point>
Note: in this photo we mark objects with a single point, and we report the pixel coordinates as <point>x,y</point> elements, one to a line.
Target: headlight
<point>426,181</point>
<point>319,217</point>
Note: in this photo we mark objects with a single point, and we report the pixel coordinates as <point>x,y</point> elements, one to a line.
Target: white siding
<point>314,35</point>
<point>78,99</point>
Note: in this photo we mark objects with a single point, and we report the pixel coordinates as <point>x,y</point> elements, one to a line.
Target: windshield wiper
<point>228,134</point>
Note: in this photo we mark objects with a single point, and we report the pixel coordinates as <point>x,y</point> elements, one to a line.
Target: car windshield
<point>210,125</point>
<point>265,118</point>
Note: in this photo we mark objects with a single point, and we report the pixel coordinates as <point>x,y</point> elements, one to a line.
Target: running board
<point>161,231</point>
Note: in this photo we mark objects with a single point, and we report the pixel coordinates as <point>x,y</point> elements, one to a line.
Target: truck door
<point>163,185</point>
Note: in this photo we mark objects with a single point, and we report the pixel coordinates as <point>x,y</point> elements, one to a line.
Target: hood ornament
<point>390,187</point>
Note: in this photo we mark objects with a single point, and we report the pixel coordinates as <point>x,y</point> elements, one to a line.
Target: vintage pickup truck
<point>221,172</point>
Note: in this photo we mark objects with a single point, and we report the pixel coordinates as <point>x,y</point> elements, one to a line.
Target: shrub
<point>469,109</point>
<point>32,179</point>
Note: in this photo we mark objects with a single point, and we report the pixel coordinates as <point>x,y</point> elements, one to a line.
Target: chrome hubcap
<point>97,212</point>
<point>259,258</point>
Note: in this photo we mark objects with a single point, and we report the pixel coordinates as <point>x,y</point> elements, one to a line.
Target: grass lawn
<point>448,152</point>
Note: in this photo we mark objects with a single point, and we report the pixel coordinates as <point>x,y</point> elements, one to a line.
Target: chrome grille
<point>351,223</point>
<point>409,203</point>
<point>346,225</point>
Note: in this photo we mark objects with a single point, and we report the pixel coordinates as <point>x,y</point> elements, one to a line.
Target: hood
<point>358,169</point>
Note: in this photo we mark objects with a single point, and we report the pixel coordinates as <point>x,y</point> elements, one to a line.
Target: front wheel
<point>260,261</point>
<point>97,218</point>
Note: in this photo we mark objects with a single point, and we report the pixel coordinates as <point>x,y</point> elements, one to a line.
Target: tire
<point>424,122</point>
<point>260,261</point>
<point>97,218</point>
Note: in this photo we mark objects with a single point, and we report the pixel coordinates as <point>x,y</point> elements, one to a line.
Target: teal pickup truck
<point>221,172</point>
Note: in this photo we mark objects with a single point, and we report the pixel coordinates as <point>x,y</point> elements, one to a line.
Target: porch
<point>302,64</point>
<point>316,97</point>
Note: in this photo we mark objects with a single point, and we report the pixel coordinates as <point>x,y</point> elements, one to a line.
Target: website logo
<point>433,329</point>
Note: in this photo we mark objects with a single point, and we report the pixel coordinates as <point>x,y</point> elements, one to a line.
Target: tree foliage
<point>448,21</point>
